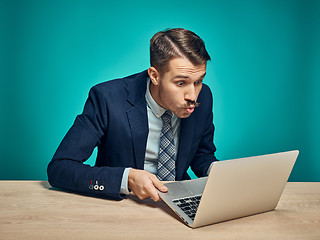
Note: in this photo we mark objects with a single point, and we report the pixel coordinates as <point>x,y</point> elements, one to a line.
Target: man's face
<point>178,88</point>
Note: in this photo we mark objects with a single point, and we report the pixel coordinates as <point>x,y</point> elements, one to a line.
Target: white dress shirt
<point>154,112</point>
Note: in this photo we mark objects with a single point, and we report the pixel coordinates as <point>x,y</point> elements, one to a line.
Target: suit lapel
<point>138,118</point>
<point>138,121</point>
<point>185,141</point>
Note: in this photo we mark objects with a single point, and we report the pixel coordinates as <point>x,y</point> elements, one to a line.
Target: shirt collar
<point>156,109</point>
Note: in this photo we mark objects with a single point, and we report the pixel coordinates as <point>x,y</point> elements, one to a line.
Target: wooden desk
<point>32,210</point>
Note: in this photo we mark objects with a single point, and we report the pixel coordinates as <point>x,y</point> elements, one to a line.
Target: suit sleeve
<point>205,154</point>
<point>66,169</point>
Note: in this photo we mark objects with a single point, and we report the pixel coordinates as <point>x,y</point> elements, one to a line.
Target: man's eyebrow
<point>181,76</point>
<point>203,75</point>
<point>186,77</point>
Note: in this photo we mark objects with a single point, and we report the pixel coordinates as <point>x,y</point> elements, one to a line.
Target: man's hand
<point>144,184</point>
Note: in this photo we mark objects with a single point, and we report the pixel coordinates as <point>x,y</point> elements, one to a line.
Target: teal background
<point>264,75</point>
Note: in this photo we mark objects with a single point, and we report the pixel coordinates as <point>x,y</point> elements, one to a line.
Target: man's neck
<point>154,91</point>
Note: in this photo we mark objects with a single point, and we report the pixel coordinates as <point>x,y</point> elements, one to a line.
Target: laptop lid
<point>239,187</point>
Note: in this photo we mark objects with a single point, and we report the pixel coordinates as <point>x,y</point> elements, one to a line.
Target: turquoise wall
<point>264,75</point>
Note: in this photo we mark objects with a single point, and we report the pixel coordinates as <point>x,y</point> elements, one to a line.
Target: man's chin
<point>184,115</point>
<point>183,112</point>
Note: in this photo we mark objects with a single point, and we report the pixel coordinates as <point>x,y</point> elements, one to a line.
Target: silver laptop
<point>234,188</point>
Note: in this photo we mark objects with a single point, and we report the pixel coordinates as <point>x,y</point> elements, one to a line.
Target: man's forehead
<point>184,68</point>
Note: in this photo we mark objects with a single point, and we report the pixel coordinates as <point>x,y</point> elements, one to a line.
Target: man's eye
<point>198,82</point>
<point>180,83</point>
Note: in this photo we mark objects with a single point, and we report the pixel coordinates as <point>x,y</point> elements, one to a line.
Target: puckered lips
<point>189,110</point>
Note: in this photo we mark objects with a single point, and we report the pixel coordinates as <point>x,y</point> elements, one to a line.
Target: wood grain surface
<point>34,210</point>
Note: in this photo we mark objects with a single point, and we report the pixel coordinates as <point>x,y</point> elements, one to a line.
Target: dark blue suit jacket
<point>115,120</point>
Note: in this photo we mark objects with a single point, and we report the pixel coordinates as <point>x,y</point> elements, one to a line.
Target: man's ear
<point>154,75</point>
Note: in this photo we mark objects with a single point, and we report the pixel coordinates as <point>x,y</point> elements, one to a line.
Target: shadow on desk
<point>133,198</point>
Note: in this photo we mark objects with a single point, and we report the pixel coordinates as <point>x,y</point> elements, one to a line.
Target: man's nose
<point>191,94</point>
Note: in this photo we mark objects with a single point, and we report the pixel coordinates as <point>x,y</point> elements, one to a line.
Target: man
<point>147,127</point>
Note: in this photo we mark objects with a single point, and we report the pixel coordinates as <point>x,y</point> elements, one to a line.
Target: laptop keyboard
<point>188,205</point>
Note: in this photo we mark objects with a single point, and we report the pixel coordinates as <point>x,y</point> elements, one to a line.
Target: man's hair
<point>176,42</point>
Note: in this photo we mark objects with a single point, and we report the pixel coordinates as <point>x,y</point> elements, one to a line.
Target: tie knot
<point>166,117</point>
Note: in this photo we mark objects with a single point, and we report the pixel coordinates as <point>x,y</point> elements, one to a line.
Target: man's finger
<point>158,184</point>
<point>153,194</point>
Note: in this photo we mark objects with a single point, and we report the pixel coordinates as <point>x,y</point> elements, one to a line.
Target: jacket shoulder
<point>118,87</point>
<point>205,95</point>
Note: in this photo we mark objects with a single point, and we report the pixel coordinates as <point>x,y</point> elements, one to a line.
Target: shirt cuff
<point>124,182</point>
